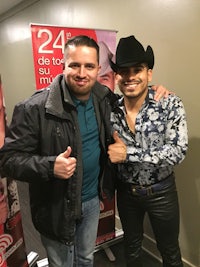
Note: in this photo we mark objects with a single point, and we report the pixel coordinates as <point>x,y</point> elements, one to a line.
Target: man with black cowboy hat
<point>150,138</point>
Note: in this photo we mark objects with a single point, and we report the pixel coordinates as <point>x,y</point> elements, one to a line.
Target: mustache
<point>127,82</point>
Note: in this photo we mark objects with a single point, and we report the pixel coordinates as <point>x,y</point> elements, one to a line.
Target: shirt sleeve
<point>164,141</point>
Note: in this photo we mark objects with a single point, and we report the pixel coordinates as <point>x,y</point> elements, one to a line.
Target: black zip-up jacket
<point>42,127</point>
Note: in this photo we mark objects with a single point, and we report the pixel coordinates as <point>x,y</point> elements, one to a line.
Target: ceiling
<point>6,5</point>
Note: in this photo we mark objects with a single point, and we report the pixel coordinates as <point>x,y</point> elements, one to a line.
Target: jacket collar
<point>54,104</point>
<point>59,93</point>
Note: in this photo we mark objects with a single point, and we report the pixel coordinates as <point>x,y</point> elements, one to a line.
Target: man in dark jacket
<point>57,142</point>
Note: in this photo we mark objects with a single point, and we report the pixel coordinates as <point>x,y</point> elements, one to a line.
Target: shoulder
<point>38,98</point>
<point>102,92</point>
<point>33,104</point>
<point>172,102</point>
<point>169,101</point>
<point>100,89</point>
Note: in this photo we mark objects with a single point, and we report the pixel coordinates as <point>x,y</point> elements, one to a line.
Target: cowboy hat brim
<point>116,67</point>
<point>148,58</point>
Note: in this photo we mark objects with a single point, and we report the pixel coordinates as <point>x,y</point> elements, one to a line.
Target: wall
<point>171,27</point>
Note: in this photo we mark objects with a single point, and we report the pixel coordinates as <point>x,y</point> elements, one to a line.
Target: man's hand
<point>65,165</point>
<point>117,151</point>
<point>161,92</point>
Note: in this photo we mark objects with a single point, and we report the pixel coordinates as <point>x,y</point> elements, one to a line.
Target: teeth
<point>130,85</point>
<point>127,83</point>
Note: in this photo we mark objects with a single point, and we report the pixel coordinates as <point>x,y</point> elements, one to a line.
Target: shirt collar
<point>149,98</point>
<point>78,102</point>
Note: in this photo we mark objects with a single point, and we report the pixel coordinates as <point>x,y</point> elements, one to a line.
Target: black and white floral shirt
<point>160,140</point>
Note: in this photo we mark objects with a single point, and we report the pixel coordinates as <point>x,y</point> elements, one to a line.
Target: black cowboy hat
<point>130,52</point>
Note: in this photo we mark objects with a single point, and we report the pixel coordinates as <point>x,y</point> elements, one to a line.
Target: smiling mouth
<point>130,85</point>
<point>81,82</point>
<point>131,82</point>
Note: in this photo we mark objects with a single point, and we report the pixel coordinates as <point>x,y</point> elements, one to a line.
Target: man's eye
<point>122,72</point>
<point>90,67</point>
<point>73,66</point>
<point>137,70</point>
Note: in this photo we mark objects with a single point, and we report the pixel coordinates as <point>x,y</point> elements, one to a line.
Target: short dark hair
<point>82,40</point>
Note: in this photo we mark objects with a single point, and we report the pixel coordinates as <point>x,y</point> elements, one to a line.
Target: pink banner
<point>48,48</point>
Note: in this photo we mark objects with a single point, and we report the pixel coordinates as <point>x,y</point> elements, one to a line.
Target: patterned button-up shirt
<point>160,140</point>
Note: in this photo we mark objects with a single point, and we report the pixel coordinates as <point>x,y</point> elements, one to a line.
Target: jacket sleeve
<point>20,157</point>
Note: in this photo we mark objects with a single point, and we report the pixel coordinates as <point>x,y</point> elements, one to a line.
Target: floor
<point>101,259</point>
<point>33,243</point>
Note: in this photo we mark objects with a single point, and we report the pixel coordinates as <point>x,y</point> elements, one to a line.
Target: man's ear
<point>99,68</point>
<point>150,74</point>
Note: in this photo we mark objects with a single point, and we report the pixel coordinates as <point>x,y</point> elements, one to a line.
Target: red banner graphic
<point>12,246</point>
<point>48,48</point>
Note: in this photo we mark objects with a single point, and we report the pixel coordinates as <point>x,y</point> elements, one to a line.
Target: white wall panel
<point>171,27</point>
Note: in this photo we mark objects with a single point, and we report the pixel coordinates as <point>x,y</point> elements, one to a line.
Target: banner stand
<point>106,245</point>
<point>32,258</point>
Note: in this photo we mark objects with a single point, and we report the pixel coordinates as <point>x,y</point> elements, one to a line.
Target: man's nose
<point>82,71</point>
<point>131,73</point>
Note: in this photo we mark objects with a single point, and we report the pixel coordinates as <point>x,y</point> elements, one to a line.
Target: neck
<point>135,103</point>
<point>80,97</point>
